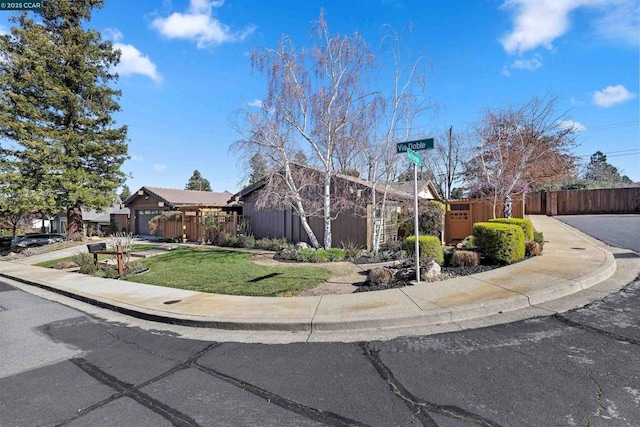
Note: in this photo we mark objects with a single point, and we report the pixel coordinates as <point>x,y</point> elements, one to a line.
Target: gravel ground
<point>446,273</point>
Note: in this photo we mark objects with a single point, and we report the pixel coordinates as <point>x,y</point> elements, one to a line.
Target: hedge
<point>430,247</point>
<point>502,243</point>
<point>525,224</point>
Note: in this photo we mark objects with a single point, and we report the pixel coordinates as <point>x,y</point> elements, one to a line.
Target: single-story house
<point>93,222</point>
<point>349,226</point>
<point>149,202</point>
<point>426,189</point>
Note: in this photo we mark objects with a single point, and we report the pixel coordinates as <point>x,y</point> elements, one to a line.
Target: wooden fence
<point>583,202</point>
<point>193,230</point>
<point>462,214</point>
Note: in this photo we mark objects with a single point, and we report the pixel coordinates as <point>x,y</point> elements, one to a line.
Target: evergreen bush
<point>430,247</point>
<point>502,243</point>
<point>525,224</point>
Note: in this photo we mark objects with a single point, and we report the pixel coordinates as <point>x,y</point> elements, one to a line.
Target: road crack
<point>594,330</point>
<point>325,417</point>
<point>601,408</point>
<point>421,407</point>
<point>124,389</point>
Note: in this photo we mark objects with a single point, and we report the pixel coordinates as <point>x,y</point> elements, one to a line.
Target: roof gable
<point>176,197</point>
<point>392,189</point>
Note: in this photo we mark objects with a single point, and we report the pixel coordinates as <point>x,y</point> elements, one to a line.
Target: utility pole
<point>449,155</point>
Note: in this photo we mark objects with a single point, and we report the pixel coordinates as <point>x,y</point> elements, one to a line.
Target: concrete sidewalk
<point>571,262</point>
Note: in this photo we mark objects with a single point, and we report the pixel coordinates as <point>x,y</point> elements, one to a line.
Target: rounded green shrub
<point>502,243</point>
<point>525,224</point>
<point>430,247</point>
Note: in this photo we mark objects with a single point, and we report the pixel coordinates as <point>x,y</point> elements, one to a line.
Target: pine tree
<point>56,108</point>
<point>258,166</point>
<point>125,193</point>
<point>197,182</point>
<point>600,171</point>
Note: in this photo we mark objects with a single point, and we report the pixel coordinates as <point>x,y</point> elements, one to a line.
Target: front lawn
<point>227,272</point>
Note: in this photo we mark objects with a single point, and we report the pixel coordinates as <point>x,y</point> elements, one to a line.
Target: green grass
<point>227,272</point>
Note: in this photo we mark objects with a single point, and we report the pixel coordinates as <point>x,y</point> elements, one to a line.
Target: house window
<point>150,212</point>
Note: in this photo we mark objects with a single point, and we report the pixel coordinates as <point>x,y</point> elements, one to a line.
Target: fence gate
<point>459,223</point>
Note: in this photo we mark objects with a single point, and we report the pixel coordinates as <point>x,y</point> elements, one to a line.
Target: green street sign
<point>417,145</point>
<point>35,5</point>
<point>413,157</point>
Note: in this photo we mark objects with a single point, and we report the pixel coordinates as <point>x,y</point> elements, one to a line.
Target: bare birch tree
<point>394,112</point>
<point>519,147</point>
<point>315,97</point>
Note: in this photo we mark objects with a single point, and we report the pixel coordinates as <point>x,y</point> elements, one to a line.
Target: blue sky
<point>185,69</point>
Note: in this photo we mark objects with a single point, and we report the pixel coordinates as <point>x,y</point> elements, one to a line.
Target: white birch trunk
<point>300,207</point>
<point>327,210</point>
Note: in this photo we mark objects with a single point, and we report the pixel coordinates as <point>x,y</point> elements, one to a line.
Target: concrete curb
<point>516,287</point>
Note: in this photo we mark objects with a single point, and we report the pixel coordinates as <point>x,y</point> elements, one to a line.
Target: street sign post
<point>414,157</point>
<point>410,147</point>
<point>417,145</point>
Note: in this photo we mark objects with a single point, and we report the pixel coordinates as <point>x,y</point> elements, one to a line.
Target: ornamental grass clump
<point>539,238</point>
<point>501,243</point>
<point>464,259</point>
<point>532,248</point>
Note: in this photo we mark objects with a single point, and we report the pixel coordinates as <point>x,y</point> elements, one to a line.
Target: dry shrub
<point>532,248</point>
<point>380,276</point>
<point>464,258</point>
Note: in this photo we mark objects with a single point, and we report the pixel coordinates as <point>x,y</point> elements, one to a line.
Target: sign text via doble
<point>417,145</point>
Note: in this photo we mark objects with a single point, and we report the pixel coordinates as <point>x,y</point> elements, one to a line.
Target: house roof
<point>92,215</point>
<point>175,197</point>
<point>395,189</point>
<point>407,187</point>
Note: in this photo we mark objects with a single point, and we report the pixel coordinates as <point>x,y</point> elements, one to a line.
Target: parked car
<point>5,242</point>
<point>37,239</point>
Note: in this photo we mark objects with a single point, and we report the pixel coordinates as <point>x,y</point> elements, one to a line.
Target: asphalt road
<point>622,231</point>
<point>61,367</point>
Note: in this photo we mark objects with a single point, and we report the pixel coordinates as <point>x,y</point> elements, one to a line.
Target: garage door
<point>142,220</point>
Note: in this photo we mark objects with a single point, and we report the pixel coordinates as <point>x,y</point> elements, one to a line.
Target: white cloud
<point>159,168</point>
<point>134,62</point>
<point>537,23</point>
<point>612,95</point>
<point>113,34</point>
<point>3,30</point>
<point>528,64</point>
<point>576,102</point>
<point>570,124</point>
<point>540,22</point>
<point>255,103</point>
<point>621,21</point>
<point>137,158</point>
<point>198,25</point>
